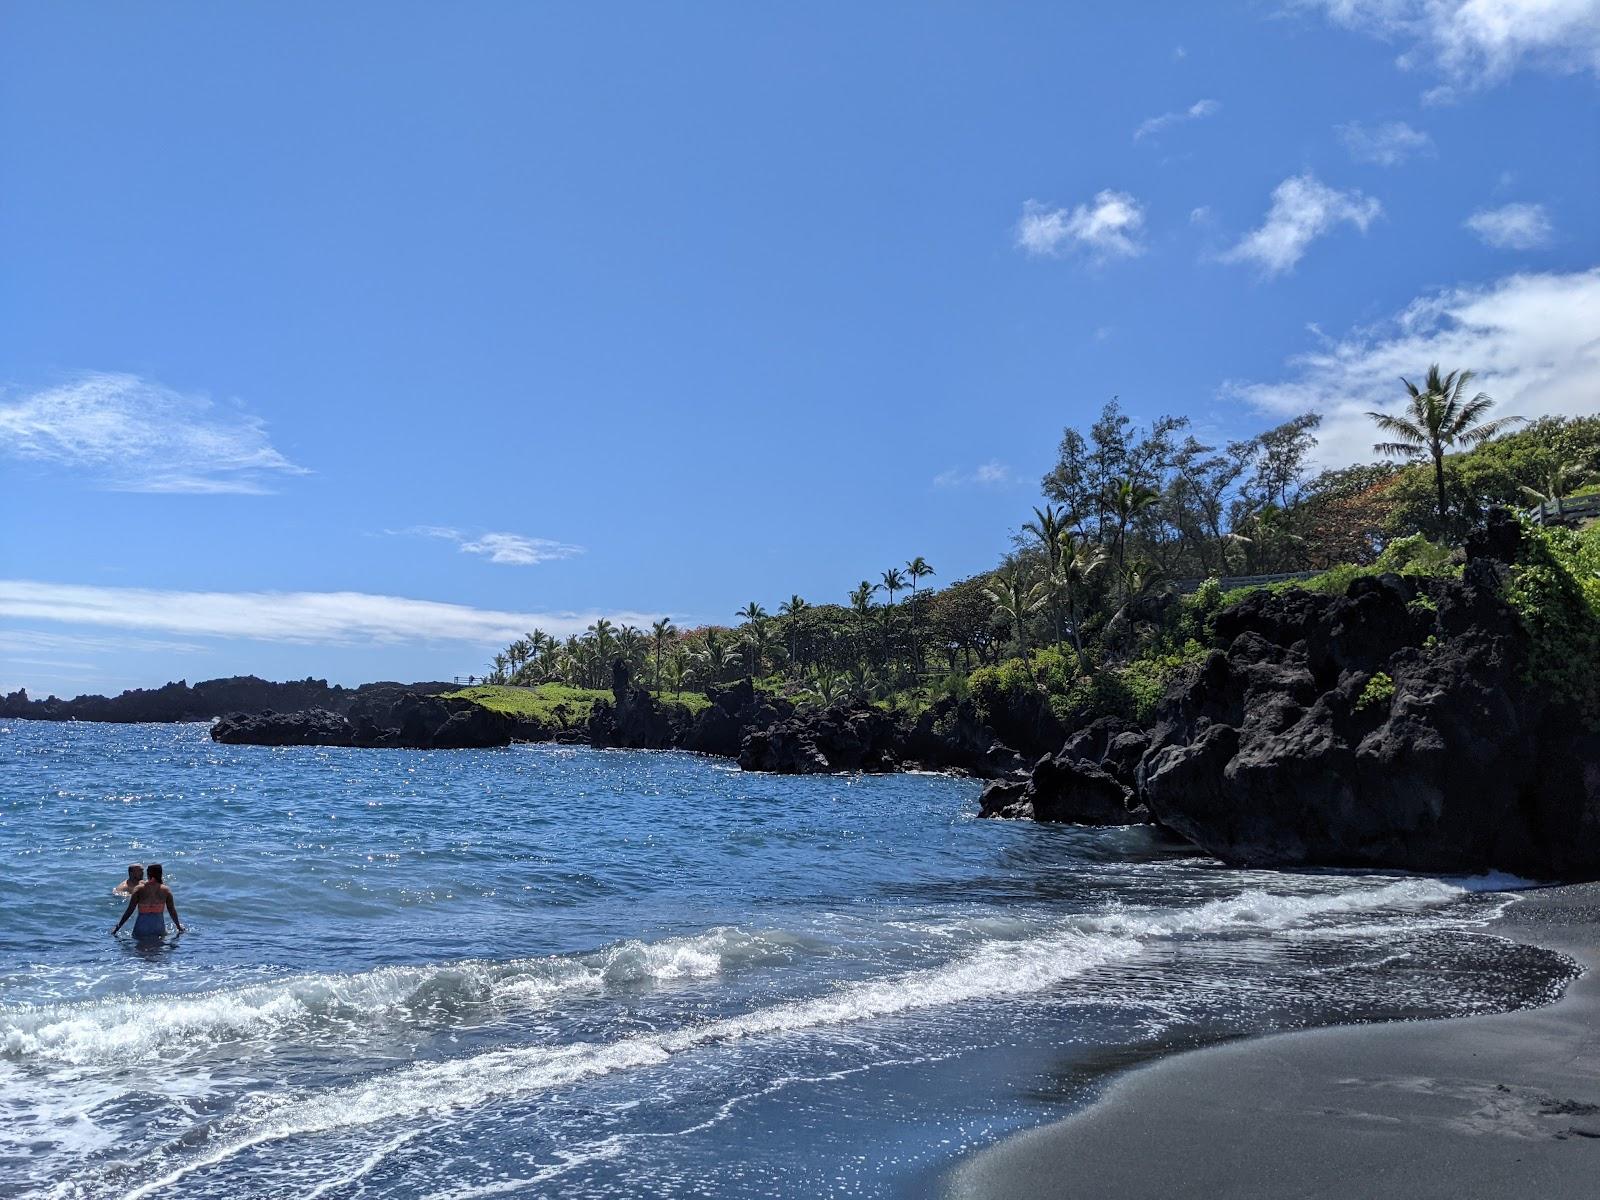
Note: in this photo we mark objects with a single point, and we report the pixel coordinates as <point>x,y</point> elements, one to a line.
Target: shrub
<point>1379,690</point>
<point>1555,589</point>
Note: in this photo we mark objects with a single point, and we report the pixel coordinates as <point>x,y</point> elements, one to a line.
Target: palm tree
<point>599,648</point>
<point>1127,499</point>
<point>1077,562</point>
<point>794,608</point>
<point>1047,526</point>
<point>500,668</point>
<point>861,605</point>
<point>1014,598</point>
<point>713,657</point>
<point>1438,417</point>
<point>1138,582</point>
<point>755,635</point>
<point>661,632</point>
<point>678,666</point>
<point>918,570</point>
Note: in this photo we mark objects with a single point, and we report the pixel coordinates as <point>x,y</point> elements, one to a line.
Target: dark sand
<point>1500,1106</point>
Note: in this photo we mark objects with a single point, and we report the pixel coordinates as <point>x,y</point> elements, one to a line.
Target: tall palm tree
<point>1076,564</point>
<point>1016,598</point>
<point>861,605</point>
<point>661,632</point>
<point>892,582</point>
<point>499,668</point>
<point>1438,416</point>
<point>795,609</point>
<point>755,635</point>
<point>600,638</point>
<point>1046,528</point>
<point>1127,499</point>
<point>678,666</point>
<point>917,570</point>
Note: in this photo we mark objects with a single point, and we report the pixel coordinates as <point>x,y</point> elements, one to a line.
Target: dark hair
<point>154,871</point>
<point>132,867</point>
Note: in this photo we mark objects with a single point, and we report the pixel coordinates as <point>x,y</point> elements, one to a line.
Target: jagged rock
<point>735,710</point>
<point>841,737</point>
<point>950,736</point>
<point>204,701</point>
<point>403,720</point>
<point>313,727</point>
<point>1065,788</point>
<point>635,719</point>
<point>1280,752</point>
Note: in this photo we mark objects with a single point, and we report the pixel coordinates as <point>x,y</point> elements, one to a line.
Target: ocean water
<point>547,971</point>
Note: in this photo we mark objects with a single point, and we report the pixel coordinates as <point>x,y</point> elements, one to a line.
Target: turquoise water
<point>557,971</point>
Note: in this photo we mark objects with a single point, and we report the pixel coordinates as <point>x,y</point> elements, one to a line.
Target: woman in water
<point>151,898</point>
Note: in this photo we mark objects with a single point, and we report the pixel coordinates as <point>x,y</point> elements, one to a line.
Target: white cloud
<point>1388,145</point>
<point>1534,341</point>
<point>1303,209</point>
<point>993,473</point>
<point>347,618</point>
<point>131,435</point>
<point>1512,226</point>
<point>1109,227</point>
<point>512,548</point>
<point>1195,112</point>
<point>1472,43</point>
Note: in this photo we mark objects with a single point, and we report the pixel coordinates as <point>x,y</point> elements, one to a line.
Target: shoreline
<point>1460,1107</point>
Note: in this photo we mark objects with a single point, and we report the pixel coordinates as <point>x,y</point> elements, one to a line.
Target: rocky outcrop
<point>735,711</point>
<point>840,737</point>
<point>1394,726</point>
<point>396,719</point>
<point>203,701</point>
<point>313,727</point>
<point>1089,781</point>
<point>635,719</point>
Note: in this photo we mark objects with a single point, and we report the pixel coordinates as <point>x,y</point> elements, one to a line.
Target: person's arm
<point>133,903</point>
<point>172,907</point>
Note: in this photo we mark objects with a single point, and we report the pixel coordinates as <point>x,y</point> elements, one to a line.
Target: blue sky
<point>348,340</point>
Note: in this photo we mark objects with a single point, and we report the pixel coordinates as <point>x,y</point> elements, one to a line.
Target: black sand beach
<point>1494,1106</point>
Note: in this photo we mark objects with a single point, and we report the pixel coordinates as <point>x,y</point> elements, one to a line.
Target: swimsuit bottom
<point>149,925</point>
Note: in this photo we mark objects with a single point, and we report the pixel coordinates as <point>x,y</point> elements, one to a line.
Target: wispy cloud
<point>1108,227</point>
<point>1303,209</point>
<point>514,549</point>
<point>349,618</point>
<point>132,435</point>
<point>1474,43</point>
<point>1531,338</point>
<point>35,640</point>
<point>1388,145</point>
<point>993,473</point>
<point>1199,110</point>
<point>1512,226</point>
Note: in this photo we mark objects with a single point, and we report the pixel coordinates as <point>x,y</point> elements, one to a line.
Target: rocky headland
<point>203,701</point>
<point>1400,725</point>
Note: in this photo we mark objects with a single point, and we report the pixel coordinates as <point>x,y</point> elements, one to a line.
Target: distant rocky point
<point>205,701</point>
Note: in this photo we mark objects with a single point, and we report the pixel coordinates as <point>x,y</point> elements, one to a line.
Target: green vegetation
<point>1555,588</point>
<point>1113,583</point>
<point>554,703</point>
<point>1379,690</point>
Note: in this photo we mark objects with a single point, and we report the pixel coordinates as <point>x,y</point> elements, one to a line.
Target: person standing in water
<point>151,898</point>
<point>134,879</point>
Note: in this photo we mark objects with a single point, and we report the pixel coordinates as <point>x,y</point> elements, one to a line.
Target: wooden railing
<point>1578,508</point>
<point>1229,582</point>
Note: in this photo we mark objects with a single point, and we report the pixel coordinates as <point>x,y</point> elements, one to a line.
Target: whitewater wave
<point>996,968</point>
<point>134,1029</point>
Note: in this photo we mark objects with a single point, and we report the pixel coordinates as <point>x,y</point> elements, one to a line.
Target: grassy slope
<point>543,701</point>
